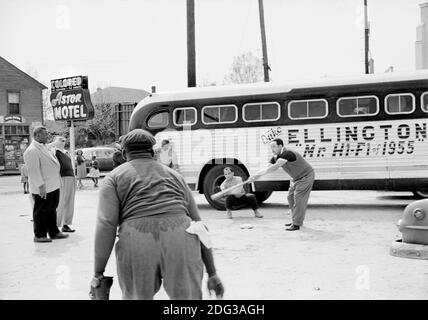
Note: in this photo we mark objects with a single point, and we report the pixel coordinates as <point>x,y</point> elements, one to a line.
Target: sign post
<point>72,143</point>
<point>71,101</point>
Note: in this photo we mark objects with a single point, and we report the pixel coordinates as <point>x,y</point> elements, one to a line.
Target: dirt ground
<point>342,252</point>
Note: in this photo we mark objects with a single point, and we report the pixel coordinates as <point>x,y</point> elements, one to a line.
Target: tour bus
<point>362,132</point>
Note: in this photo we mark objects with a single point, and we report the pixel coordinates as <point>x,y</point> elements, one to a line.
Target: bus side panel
<point>382,154</point>
<point>407,155</point>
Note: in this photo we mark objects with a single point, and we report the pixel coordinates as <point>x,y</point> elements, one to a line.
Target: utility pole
<point>191,63</point>
<point>366,39</point>
<point>262,29</point>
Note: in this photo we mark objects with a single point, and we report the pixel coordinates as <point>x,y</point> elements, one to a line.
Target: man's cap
<point>138,139</point>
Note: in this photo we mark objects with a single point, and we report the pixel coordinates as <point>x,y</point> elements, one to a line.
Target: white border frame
<point>306,100</point>
<point>219,106</point>
<point>260,104</point>
<point>357,115</point>
<point>184,124</point>
<point>156,113</point>
<point>400,94</point>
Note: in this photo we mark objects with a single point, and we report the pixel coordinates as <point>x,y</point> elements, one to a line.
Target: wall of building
<point>30,94</point>
<point>15,133</point>
<point>30,104</point>
<point>421,45</point>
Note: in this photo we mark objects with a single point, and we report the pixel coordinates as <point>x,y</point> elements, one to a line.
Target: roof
<point>19,71</point>
<point>271,87</point>
<point>118,95</point>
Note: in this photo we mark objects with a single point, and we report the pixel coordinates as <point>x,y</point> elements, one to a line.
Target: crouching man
<point>237,196</point>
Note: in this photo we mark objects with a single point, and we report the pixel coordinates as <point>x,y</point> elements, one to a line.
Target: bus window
<point>267,111</point>
<point>307,109</point>
<point>219,114</point>
<point>399,103</point>
<point>184,116</point>
<point>424,101</point>
<point>357,106</point>
<point>158,120</point>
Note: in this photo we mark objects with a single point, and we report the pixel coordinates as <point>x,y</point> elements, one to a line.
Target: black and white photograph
<point>214,150</point>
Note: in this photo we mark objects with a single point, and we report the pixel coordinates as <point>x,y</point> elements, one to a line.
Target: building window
<point>399,103</point>
<point>358,106</point>
<point>219,114</point>
<point>307,109</point>
<point>158,120</point>
<point>266,111</point>
<point>184,116</point>
<point>13,102</point>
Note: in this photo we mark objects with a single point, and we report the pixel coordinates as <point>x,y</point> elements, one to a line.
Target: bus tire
<point>420,194</point>
<point>262,196</point>
<point>213,180</point>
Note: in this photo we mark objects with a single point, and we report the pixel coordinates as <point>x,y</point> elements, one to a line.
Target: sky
<point>143,43</point>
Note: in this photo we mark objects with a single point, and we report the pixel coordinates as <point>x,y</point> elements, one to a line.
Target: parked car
<point>104,157</point>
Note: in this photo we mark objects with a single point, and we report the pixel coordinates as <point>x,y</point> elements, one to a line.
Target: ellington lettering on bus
<point>353,141</point>
<point>347,133</point>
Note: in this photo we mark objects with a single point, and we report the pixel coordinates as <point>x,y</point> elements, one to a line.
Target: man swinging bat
<point>302,175</point>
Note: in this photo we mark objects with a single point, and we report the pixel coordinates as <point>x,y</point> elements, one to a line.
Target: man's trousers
<point>298,196</point>
<point>44,214</point>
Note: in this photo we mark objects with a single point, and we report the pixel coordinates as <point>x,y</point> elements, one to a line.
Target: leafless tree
<point>103,125</point>
<point>246,68</point>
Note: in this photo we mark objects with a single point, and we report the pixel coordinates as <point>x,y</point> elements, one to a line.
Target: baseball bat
<point>220,194</point>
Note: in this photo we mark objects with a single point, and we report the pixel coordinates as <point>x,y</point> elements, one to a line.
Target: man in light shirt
<point>237,196</point>
<point>45,181</point>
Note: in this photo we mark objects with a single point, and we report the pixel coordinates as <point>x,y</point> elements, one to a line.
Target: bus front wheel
<point>262,195</point>
<point>214,179</point>
<point>421,194</point>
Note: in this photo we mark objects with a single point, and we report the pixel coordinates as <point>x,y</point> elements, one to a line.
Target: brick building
<point>21,108</point>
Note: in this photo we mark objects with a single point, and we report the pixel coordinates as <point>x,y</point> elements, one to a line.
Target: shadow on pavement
<point>57,248</point>
<point>309,234</point>
<point>397,197</point>
<point>334,206</point>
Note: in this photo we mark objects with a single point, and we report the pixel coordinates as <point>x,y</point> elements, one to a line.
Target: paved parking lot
<point>342,252</point>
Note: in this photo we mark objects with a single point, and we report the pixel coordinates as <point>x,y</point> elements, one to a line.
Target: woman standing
<point>24,177</point>
<point>94,173</point>
<point>81,168</point>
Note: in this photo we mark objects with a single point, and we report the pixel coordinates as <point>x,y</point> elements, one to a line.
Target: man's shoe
<point>288,224</point>
<point>229,214</point>
<point>60,235</point>
<point>257,214</point>
<point>293,228</point>
<point>66,228</point>
<point>43,239</point>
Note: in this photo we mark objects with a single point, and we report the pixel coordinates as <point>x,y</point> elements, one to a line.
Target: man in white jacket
<point>45,182</point>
